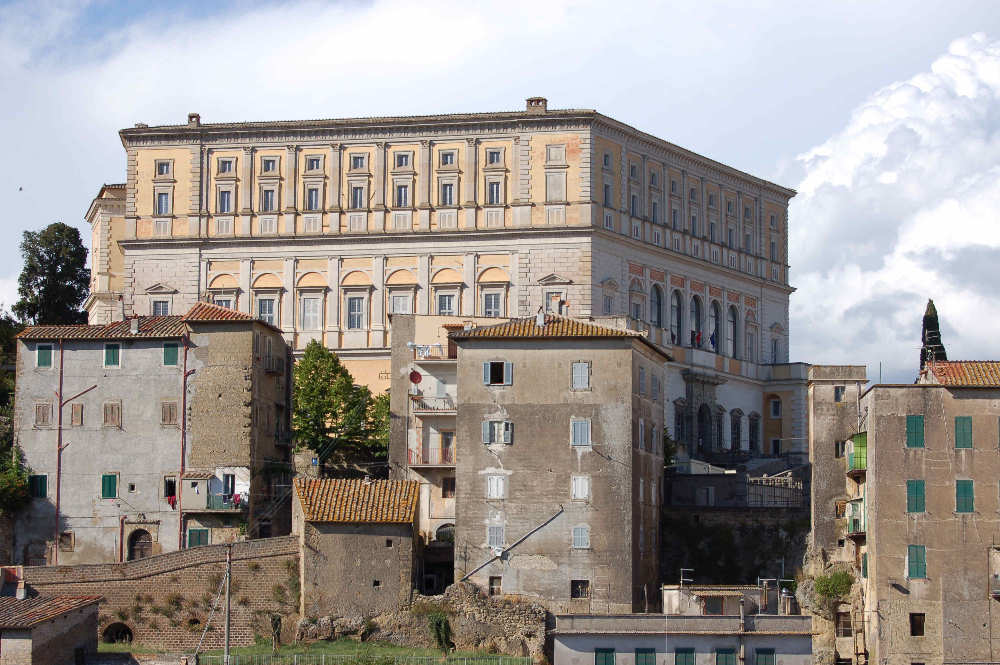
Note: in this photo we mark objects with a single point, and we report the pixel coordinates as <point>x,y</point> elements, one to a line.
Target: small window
<point>491,304</point>
<point>448,487</point>
<point>580,432</point>
<point>112,414</point>
<point>965,500</point>
<point>312,198</point>
<point>168,413</point>
<point>693,194</point>
<point>357,162</point>
<point>915,501</point>
<point>498,373</point>
<point>581,375</point>
<point>109,486</point>
<point>169,487</point>
<point>161,307</point>
<point>764,657</point>
<point>581,537</point>
<point>269,165</point>
<point>446,304</point>
<point>43,414</point>
<point>170,353</point>
<point>914,431</point>
<point>580,488</point>
<point>448,158</point>
<point>917,620</point>
<point>916,562</point>
<point>162,203</point>
<point>601,656</point>
<point>609,304</point>
<point>494,537</point>
<point>313,163</point>
<point>607,160</point>
<point>402,196</point>
<point>399,304</point>
<point>498,431</point>
<point>843,626</point>
<point>493,193</point>
<point>838,393</point>
<point>581,589</point>
<point>43,355</point>
<point>163,168</point>
<point>725,657</point>
<point>357,198</point>
<point>225,166</point>
<point>713,606</point>
<point>67,541</point>
<point>402,160</point>
<point>963,431</point>
<point>496,585</point>
<point>633,170</point>
<point>197,537</point>
<point>684,656</point>
<point>112,355</point>
<point>775,408</point>
<point>38,486</point>
<point>495,487</point>
<point>376,584</point>
<point>447,194</point>
<point>76,415</point>
<point>746,212</point>
<point>642,380</point>
<point>355,313</point>
<point>493,157</point>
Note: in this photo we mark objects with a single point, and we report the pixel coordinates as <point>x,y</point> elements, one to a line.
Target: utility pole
<point>229,578</point>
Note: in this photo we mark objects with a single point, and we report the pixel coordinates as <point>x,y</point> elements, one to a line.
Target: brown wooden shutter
<point>42,412</point>
<point>76,417</point>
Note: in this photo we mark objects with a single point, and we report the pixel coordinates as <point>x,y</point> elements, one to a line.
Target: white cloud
<point>898,206</point>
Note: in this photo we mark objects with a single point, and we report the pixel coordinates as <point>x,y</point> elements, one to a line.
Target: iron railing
<point>431,456</point>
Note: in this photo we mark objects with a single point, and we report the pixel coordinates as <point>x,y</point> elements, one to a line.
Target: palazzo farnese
<point>323,228</point>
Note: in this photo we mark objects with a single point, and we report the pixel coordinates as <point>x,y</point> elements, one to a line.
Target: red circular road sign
<point>415,377</point>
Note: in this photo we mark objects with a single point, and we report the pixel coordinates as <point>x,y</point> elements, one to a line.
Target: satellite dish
<point>415,377</point>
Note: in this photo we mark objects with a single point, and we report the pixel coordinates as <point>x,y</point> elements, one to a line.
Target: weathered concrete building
<point>559,466</point>
<point>356,542</point>
<point>151,434</point>
<point>47,630</point>
<point>702,625</point>
<point>916,517</point>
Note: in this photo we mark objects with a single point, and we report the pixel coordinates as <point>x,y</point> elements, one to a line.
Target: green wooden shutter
<point>111,357</point>
<point>864,565</point>
<point>725,657</point>
<point>914,431</point>
<point>915,496</point>
<point>604,657</point>
<point>645,657</point>
<point>963,431</point>
<point>109,486</point>
<point>197,537</point>
<point>170,353</point>
<point>683,656</point>
<point>38,486</point>
<point>44,355</point>
<point>764,657</point>
<point>916,557</point>
<point>965,501</point>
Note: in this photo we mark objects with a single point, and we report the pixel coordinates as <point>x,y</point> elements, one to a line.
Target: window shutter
<point>963,432</point>
<point>170,353</point>
<point>76,415</point>
<point>508,431</point>
<point>109,486</point>
<point>486,431</point>
<point>508,373</point>
<point>486,374</point>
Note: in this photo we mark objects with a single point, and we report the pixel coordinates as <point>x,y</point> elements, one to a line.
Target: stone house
<point>357,545</point>
<point>47,630</point>
<point>151,434</point>
<point>559,463</point>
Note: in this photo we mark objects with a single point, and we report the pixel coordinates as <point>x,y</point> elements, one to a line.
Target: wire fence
<point>350,659</point>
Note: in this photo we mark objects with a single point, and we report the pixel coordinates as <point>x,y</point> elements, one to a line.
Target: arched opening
<point>735,429</point>
<point>656,306</point>
<point>445,533</point>
<point>675,317</point>
<point>695,321</point>
<point>753,433</point>
<point>704,428</point>
<point>714,323</point>
<point>117,633</point>
<point>731,320</point>
<point>140,545</point>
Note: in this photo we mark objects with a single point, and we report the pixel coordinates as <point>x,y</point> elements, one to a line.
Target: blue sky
<point>884,115</point>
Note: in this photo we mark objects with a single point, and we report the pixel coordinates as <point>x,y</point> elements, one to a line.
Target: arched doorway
<point>140,545</point>
<point>117,633</point>
<point>656,306</point>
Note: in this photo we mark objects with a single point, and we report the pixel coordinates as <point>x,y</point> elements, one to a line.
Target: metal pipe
<point>55,546</point>
<point>180,475</point>
<point>229,579</point>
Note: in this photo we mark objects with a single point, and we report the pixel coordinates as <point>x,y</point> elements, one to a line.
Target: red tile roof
<point>26,613</point>
<point>356,500</point>
<point>555,326</point>
<point>975,373</point>
<point>150,327</point>
<point>212,313</point>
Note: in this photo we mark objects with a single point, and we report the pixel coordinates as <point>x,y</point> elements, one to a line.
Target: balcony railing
<point>226,502</point>
<point>433,404</point>
<point>431,457</point>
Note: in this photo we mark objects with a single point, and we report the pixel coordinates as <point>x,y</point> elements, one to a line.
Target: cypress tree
<point>930,336</point>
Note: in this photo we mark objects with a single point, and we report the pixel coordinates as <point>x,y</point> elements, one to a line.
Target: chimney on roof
<point>537,105</point>
<point>540,318</point>
<point>133,325</point>
<point>194,120</point>
<point>140,125</point>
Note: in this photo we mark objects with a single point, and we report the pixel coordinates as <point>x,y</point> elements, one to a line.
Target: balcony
<point>215,503</point>
<point>431,457</point>
<point>274,365</point>
<point>857,464</point>
<point>856,529</point>
<point>433,406</point>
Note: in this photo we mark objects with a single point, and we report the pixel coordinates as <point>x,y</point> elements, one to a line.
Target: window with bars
<point>914,431</point>
<point>843,626</point>
<point>581,589</point>
<point>963,431</point>
<point>965,499</point>
<point>915,496</point>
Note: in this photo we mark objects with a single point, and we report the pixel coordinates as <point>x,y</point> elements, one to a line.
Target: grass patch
<point>124,647</point>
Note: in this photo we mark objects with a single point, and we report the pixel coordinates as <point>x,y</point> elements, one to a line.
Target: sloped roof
<point>210,312</point>
<point>150,327</point>
<point>26,613</point>
<point>357,500</point>
<point>976,373</point>
<point>555,326</point>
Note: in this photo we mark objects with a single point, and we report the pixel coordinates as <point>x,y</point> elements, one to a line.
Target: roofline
<point>630,338</point>
<point>202,130</point>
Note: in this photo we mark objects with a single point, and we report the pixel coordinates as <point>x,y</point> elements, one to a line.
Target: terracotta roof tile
<point>26,613</point>
<point>356,500</point>
<point>978,373</point>
<point>150,327</point>
<point>210,312</point>
<point>555,326</point>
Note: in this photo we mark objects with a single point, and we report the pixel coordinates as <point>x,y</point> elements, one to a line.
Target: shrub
<point>440,629</point>
<point>253,566</point>
<point>368,629</point>
<point>835,585</point>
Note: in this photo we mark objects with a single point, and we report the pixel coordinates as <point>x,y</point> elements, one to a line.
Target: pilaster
<point>378,301</point>
<point>423,283</point>
<point>335,176</point>
<point>423,186</point>
<point>291,189</point>
<point>244,303</point>
<point>469,277</point>
<point>469,183</point>
<point>246,190</point>
<point>288,302</point>
<point>333,303</point>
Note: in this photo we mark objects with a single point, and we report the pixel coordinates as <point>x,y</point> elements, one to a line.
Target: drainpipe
<point>121,538</point>
<point>59,447</point>
<point>180,476</point>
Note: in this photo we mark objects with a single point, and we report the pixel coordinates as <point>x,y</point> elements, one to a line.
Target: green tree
<point>9,327</point>
<point>13,472</point>
<point>378,419</point>
<point>54,280</point>
<point>331,415</point>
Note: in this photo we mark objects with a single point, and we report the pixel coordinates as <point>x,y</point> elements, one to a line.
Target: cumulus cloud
<point>899,206</point>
